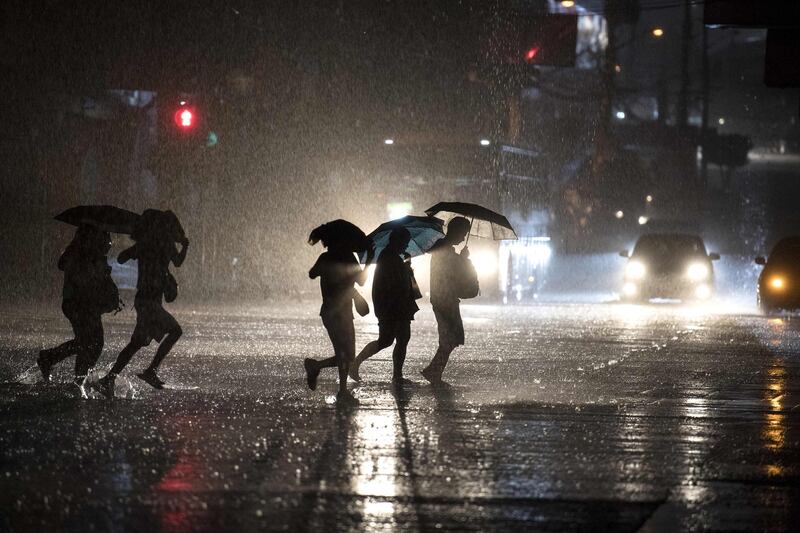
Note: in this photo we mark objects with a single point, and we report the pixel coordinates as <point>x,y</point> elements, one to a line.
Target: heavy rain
<point>480,265</point>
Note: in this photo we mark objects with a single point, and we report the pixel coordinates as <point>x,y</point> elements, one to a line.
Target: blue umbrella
<point>425,231</point>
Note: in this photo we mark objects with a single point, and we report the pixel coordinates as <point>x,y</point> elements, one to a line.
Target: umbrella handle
<point>471,220</point>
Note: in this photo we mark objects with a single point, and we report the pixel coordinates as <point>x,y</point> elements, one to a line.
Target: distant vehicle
<point>779,282</point>
<point>668,265</point>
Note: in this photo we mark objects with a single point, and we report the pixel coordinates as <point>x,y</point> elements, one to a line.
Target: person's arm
<point>316,270</point>
<point>126,255</point>
<point>179,257</point>
<point>65,258</point>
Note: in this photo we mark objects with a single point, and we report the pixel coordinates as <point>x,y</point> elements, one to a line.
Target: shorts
<point>449,324</point>
<point>153,322</point>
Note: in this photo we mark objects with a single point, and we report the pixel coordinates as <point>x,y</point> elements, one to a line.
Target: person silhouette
<point>452,277</point>
<point>88,292</point>
<point>338,270</point>
<point>393,297</point>
<point>154,250</point>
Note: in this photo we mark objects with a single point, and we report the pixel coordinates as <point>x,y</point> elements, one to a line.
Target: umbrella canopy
<point>154,222</point>
<point>105,217</point>
<point>485,223</point>
<point>341,232</point>
<point>425,231</point>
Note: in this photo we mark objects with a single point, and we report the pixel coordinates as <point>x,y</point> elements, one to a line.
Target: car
<point>779,282</point>
<point>668,265</point>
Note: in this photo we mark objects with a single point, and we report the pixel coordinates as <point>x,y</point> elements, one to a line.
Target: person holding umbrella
<point>338,270</point>
<point>88,292</point>
<point>452,277</point>
<point>394,295</point>
<point>155,236</point>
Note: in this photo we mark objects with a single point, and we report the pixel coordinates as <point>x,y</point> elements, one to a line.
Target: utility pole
<point>706,106</point>
<point>683,98</point>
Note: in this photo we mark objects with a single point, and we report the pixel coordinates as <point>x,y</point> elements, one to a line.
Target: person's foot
<point>353,369</point>
<point>312,373</point>
<point>400,380</point>
<point>433,377</point>
<point>150,377</point>
<point>80,383</point>
<point>105,385</point>
<point>346,398</point>
<point>44,365</point>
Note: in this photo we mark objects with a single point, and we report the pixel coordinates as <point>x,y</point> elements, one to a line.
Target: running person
<point>88,293</point>
<point>338,271</point>
<point>154,251</point>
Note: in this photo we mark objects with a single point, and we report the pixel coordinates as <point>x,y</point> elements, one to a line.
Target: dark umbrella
<point>485,223</point>
<point>105,217</point>
<point>154,222</point>
<point>341,232</point>
<point>425,231</point>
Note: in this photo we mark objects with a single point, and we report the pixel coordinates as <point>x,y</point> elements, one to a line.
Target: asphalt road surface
<point>557,417</point>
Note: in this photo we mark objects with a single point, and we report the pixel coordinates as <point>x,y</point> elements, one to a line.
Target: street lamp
<point>567,3</point>
<point>388,141</point>
<point>657,32</point>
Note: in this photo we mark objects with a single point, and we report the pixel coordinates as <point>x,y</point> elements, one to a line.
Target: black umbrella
<point>341,232</point>
<point>425,231</point>
<point>154,222</point>
<point>105,217</point>
<point>485,223</point>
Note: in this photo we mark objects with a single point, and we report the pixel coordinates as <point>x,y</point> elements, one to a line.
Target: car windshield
<point>667,247</point>
<point>787,251</point>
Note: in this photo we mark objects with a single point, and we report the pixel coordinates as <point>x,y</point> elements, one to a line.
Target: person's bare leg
<point>385,339</point>
<point>399,352</point>
<point>433,372</point>
<point>106,383</point>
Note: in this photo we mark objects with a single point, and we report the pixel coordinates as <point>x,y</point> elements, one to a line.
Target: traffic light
<point>185,117</point>
<point>520,39</point>
<point>548,40</point>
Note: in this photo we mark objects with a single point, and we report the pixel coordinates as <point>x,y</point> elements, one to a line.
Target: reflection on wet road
<point>556,417</point>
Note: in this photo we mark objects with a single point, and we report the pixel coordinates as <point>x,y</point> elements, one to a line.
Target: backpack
<point>108,293</point>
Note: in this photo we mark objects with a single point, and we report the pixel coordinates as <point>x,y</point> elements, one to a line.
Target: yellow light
<point>635,269</point>
<point>777,283</point>
<point>658,32</point>
<point>567,3</point>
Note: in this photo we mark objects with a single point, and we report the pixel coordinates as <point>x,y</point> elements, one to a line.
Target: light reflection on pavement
<point>558,416</point>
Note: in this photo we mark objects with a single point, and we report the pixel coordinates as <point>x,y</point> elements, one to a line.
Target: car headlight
<point>630,289</point>
<point>703,292</point>
<point>698,272</point>
<point>777,283</point>
<point>635,269</point>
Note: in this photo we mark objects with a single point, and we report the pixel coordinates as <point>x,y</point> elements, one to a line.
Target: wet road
<point>558,417</point>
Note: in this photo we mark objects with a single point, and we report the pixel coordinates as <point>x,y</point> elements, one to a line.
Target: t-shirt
<point>450,272</point>
<point>338,271</point>
<point>392,293</point>
<point>153,261</point>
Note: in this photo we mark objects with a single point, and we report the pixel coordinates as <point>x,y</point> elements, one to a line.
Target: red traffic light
<point>184,118</point>
<point>530,55</point>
